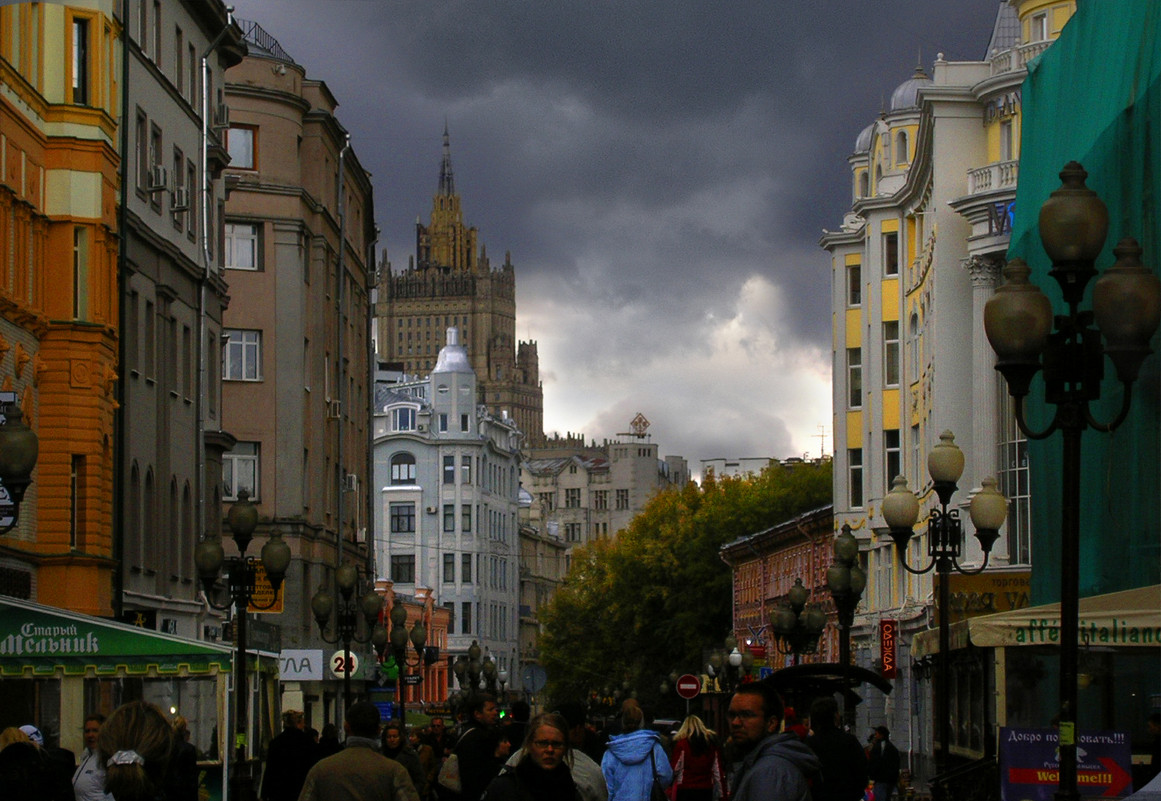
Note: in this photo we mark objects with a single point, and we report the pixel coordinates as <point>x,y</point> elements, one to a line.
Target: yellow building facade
<point>59,102</point>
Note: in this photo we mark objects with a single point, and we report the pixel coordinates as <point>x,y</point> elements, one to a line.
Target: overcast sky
<point>660,170</point>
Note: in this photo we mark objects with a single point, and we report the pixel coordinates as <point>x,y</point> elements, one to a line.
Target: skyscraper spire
<point>447,181</point>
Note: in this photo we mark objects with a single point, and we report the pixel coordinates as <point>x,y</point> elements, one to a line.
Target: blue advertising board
<point>1030,764</point>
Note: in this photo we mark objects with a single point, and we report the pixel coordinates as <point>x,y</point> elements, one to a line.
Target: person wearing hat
<point>883,764</point>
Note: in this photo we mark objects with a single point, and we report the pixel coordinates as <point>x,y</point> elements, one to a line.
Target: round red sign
<point>688,686</point>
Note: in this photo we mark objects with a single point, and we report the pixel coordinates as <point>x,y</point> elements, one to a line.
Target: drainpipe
<point>207,199</point>
<point>339,294</point>
<point>122,283</point>
<point>372,364</point>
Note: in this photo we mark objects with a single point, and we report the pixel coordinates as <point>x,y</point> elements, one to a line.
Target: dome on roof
<point>863,143</point>
<point>453,357</point>
<point>906,95</point>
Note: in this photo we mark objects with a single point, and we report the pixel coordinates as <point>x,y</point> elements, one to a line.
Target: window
<point>572,498</point>
<point>1038,28</point>
<point>913,347</point>
<point>80,272</point>
<point>466,568</point>
<point>622,500</point>
<point>466,518</point>
<point>178,183</point>
<point>402,518</point>
<point>891,353</point>
<point>892,456</point>
<point>1014,483</point>
<point>240,144</point>
<point>243,357</point>
<point>449,470</point>
<point>864,184</point>
<point>443,421</point>
<point>77,485</point>
<point>464,422</point>
<point>572,532</point>
<point>141,152</point>
<point>154,161</point>
<point>855,476</point>
<point>854,378</point>
<point>240,471</point>
<point>449,568</point>
<point>854,284</point>
<point>156,28</point>
<point>241,246</point>
<point>449,517</point>
<point>192,74</point>
<point>178,55</point>
<point>80,62</point>
<point>1007,152</point>
<point>403,419</point>
<point>901,151</point>
<point>466,617</point>
<point>891,254</point>
<point>466,469</point>
<point>547,500</point>
<point>402,469</point>
<point>600,500</point>
<point>189,375</point>
<point>403,569</point>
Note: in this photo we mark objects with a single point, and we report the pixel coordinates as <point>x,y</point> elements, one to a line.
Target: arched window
<point>402,469</point>
<point>902,154</point>
<point>913,346</point>
<point>864,184</point>
<point>878,177</point>
<point>134,549</point>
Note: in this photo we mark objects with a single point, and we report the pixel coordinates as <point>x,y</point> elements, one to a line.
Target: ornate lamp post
<point>1018,320</point>
<point>399,639</point>
<point>503,677</point>
<point>944,542</point>
<point>846,580</point>
<point>796,628</point>
<point>19,448</point>
<point>467,669</point>
<point>242,581</point>
<point>346,622</point>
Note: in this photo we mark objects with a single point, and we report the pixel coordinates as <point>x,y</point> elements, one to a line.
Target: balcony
<point>1001,175</point>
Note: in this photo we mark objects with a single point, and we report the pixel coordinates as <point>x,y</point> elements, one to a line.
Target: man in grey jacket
<point>768,763</point>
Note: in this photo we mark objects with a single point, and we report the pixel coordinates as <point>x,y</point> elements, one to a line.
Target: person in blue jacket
<point>632,759</point>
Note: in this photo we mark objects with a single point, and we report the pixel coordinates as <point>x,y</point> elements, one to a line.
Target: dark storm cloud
<point>660,171</point>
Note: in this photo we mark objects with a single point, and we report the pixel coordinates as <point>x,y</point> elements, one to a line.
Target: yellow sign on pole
<point>264,600</point>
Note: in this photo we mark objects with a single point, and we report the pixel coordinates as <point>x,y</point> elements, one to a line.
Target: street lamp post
<point>797,628</point>
<point>1018,321</point>
<point>467,670</point>
<point>242,581</point>
<point>944,543</point>
<point>19,448</point>
<point>399,639</point>
<point>846,579</point>
<point>727,663</point>
<point>346,622</point>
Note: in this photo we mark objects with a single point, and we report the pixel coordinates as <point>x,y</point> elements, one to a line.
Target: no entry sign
<point>688,686</point>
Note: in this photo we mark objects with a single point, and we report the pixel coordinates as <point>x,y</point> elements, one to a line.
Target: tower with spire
<point>450,282</point>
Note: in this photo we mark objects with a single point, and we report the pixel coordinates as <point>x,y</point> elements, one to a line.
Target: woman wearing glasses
<point>542,774</point>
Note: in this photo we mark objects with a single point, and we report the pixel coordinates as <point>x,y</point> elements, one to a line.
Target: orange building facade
<point>59,101</point>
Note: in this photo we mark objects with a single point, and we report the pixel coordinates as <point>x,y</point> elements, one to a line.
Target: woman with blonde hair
<point>697,763</point>
<point>136,742</point>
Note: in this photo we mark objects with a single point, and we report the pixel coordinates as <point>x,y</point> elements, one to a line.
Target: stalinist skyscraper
<point>450,282</point>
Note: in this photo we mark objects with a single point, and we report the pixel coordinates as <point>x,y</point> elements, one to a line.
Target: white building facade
<point>447,479</point>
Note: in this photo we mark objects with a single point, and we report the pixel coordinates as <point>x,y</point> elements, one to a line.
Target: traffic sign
<point>688,686</point>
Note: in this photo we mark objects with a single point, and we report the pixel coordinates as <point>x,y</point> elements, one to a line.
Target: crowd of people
<point>139,754</point>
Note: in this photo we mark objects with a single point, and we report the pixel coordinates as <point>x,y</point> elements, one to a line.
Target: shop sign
<point>301,664</point>
<point>264,601</point>
<point>1030,764</point>
<point>987,593</point>
<point>888,647</point>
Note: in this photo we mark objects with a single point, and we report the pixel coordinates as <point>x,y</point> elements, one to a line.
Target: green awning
<point>40,640</point>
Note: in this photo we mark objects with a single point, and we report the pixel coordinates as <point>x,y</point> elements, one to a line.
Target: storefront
<point>57,666</point>
<point>1005,669</point>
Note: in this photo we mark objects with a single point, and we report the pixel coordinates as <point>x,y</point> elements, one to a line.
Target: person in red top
<point>697,763</point>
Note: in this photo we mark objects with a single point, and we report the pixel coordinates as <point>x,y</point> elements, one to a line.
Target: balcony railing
<point>1001,175</point>
<point>1017,58</point>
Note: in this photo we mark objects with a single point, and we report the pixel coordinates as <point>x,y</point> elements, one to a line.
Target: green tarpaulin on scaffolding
<point>38,640</point>
<point>1094,97</point>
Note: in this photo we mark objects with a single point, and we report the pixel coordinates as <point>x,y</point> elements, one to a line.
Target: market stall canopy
<point>39,640</point>
<point>1131,618</point>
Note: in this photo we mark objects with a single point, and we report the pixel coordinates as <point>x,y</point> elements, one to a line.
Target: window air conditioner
<point>222,117</point>
<point>334,409</point>
<point>180,199</point>
<point>158,178</point>
<point>432,510</point>
<point>352,483</point>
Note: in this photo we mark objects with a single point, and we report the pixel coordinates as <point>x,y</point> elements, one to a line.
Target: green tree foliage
<point>651,601</point>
